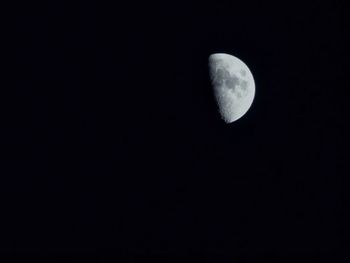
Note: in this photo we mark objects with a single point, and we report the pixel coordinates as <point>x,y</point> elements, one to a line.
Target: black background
<point>112,144</point>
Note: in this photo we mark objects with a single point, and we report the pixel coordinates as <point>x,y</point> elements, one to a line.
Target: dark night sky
<point>112,143</point>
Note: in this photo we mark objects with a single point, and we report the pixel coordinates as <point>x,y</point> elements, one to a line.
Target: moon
<point>233,85</point>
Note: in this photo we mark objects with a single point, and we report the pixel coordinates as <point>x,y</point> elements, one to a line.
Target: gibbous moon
<point>233,84</point>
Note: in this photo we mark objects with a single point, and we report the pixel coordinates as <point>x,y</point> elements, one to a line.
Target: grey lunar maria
<point>233,84</point>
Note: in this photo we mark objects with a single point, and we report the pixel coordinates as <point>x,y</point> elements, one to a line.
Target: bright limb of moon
<point>233,84</point>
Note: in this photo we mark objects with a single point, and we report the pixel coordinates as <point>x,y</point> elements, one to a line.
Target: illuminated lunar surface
<point>233,84</point>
